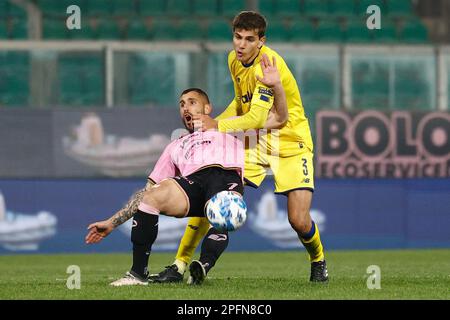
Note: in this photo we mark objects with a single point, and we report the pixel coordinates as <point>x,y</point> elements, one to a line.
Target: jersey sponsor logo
<point>193,227</point>
<point>265,91</point>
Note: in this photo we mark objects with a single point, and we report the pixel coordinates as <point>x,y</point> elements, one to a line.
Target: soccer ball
<point>226,211</point>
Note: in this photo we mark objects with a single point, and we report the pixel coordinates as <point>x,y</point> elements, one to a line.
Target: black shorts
<point>203,184</point>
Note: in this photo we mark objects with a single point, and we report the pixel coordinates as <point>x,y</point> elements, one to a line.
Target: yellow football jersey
<point>249,92</point>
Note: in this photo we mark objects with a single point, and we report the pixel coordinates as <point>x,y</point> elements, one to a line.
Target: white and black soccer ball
<point>226,211</point>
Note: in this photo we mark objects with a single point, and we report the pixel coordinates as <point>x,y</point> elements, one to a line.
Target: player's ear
<point>207,108</point>
<point>262,40</point>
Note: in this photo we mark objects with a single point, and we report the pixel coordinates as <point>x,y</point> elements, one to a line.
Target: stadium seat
<point>370,84</point>
<point>14,78</point>
<point>86,31</point>
<point>219,30</point>
<point>287,8</point>
<point>108,29</point>
<point>189,30</point>
<point>163,29</point>
<point>277,32</point>
<point>142,85</point>
<point>411,88</point>
<point>316,8</point>
<point>54,29</point>
<point>357,32</point>
<point>124,7</point>
<point>343,8</point>
<point>267,8</point>
<point>179,8</point>
<point>100,7</point>
<point>302,31</point>
<point>329,32</point>
<point>16,12</point>
<point>230,8</point>
<point>205,8</point>
<point>414,32</point>
<point>3,30</point>
<point>137,30</point>
<point>364,4</point>
<point>19,29</point>
<point>4,9</point>
<point>81,80</point>
<point>399,8</point>
<point>387,33</point>
<point>58,8</point>
<point>152,8</point>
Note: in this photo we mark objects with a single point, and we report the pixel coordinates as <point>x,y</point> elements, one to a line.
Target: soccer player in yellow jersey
<point>288,152</point>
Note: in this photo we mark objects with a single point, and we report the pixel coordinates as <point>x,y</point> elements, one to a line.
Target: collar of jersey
<point>251,63</point>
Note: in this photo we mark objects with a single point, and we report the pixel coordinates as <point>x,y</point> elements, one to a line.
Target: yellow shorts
<point>295,172</point>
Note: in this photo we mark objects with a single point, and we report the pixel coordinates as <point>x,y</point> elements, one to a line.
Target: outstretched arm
<point>99,230</point>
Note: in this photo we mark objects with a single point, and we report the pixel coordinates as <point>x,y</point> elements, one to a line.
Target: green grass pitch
<point>405,274</point>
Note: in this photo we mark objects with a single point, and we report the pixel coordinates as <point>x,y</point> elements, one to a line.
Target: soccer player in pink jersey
<point>191,170</point>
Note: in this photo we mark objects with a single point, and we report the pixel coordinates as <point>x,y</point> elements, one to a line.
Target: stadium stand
<point>289,21</point>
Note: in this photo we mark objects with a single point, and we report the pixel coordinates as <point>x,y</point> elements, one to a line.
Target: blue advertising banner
<point>51,216</point>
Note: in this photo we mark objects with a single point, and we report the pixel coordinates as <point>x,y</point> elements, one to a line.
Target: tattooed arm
<point>99,230</point>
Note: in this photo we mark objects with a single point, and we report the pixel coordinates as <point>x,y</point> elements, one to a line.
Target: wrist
<point>277,86</point>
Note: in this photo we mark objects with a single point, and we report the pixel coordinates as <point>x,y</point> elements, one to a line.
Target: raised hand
<point>271,76</point>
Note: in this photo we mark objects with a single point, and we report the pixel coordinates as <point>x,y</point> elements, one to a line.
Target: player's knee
<point>151,198</point>
<point>300,223</point>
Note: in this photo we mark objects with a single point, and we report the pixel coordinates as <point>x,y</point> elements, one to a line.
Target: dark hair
<point>250,20</point>
<point>198,90</point>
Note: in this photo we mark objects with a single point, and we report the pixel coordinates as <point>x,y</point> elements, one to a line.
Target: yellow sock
<point>314,246</point>
<point>196,229</point>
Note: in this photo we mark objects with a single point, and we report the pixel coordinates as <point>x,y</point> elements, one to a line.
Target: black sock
<point>143,234</point>
<point>213,245</point>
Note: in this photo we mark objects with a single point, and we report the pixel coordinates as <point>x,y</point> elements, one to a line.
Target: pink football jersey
<point>197,150</point>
